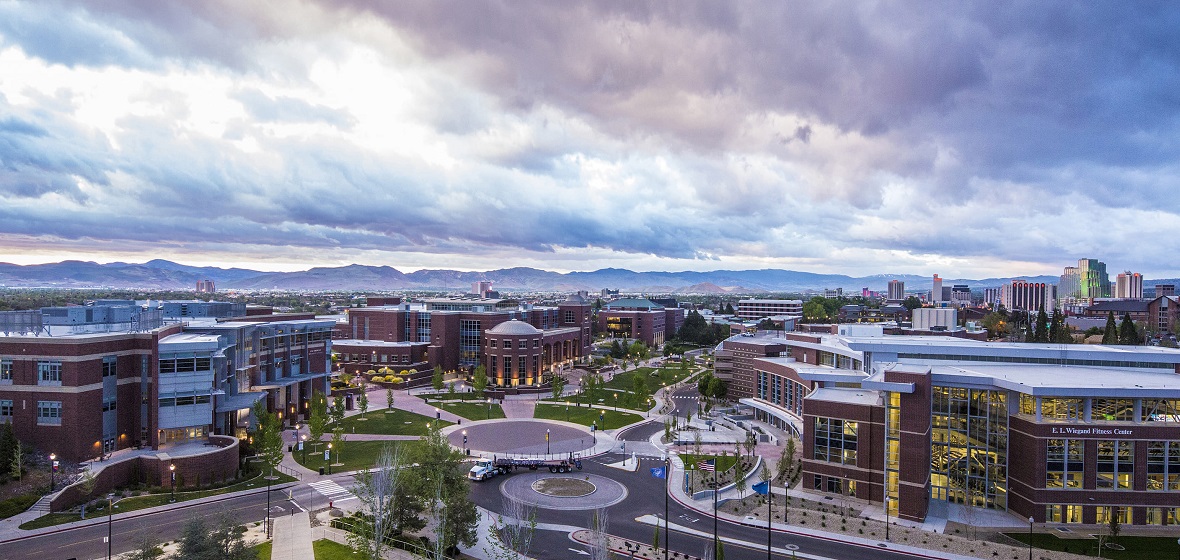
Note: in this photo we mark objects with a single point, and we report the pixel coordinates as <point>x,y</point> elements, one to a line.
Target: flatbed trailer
<point>504,464</point>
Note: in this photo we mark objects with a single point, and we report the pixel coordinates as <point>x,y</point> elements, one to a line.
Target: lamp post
<point>602,419</point>
<point>52,471</point>
<point>616,402</point>
<point>546,441</point>
<point>888,501</point>
<point>328,457</point>
<point>437,414</point>
<point>567,411</point>
<point>268,482</point>
<point>303,444</point>
<point>466,451</point>
<point>489,408</point>
<point>1030,523</point>
<point>110,513</point>
<point>172,475</point>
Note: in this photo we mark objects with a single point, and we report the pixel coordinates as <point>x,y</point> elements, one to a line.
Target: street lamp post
<point>328,457</point>
<point>602,419</point>
<point>52,471</point>
<point>466,451</point>
<point>616,402</point>
<point>567,411</point>
<point>172,475</point>
<point>303,444</point>
<point>110,513</point>
<point>437,414</point>
<point>489,408</point>
<point>1030,523</point>
<point>546,441</point>
<point>888,501</point>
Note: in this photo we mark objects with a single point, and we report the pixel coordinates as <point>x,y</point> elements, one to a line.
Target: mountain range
<point>168,275</point>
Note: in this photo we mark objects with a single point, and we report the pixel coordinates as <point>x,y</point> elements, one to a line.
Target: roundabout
<point>581,492</point>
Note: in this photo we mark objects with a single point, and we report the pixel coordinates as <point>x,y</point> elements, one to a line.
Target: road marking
<point>580,551</point>
<point>332,491</point>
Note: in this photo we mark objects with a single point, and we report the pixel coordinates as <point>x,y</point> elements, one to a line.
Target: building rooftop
<point>376,343</point>
<point>863,397</point>
<point>1052,380</point>
<point>632,303</point>
<point>514,327</point>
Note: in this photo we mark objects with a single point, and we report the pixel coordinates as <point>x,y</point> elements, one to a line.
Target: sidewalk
<point>291,537</point>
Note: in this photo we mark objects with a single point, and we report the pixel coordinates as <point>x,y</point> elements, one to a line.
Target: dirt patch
<point>563,487</point>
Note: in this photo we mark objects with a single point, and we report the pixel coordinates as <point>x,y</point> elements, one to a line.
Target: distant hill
<point>167,275</point>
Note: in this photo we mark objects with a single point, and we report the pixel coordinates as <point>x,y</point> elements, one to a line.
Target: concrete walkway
<point>292,537</point>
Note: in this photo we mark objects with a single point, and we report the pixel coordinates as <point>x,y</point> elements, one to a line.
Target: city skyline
<point>970,141</point>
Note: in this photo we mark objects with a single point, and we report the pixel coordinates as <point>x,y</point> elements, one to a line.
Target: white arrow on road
<point>580,551</point>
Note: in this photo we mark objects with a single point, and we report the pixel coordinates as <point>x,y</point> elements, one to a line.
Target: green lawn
<point>151,500</point>
<point>1137,548</point>
<point>262,549</point>
<point>331,550</point>
<point>473,410</point>
<point>585,415</point>
<point>391,422</point>
<point>18,504</point>
<point>355,455</point>
<point>724,463</point>
<point>665,375</point>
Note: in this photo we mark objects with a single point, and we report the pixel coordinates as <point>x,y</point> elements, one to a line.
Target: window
<point>5,409</point>
<point>521,365</point>
<point>569,316</point>
<point>522,344</point>
<point>1116,464</point>
<point>835,441</point>
<point>5,370</point>
<point>49,373</point>
<point>1064,461</point>
<point>1104,513</point>
<point>110,405</point>
<point>49,413</point>
<point>108,366</point>
<point>1163,465</point>
<point>1161,410</point>
<point>1163,516</point>
<point>1063,514</point>
<point>492,342</point>
<point>537,343</point>
<point>1112,410</point>
<point>492,365</point>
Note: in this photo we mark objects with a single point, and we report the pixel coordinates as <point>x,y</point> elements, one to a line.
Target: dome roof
<point>514,326</point>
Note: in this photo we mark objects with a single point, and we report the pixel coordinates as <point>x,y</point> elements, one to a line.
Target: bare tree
<point>438,512</point>
<point>376,489</point>
<point>599,537</point>
<point>512,530</point>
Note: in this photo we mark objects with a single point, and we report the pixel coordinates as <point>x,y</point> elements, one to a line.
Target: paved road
<point>646,497</point>
<point>88,542</point>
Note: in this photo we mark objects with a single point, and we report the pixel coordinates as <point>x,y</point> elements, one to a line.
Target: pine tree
<point>1110,335</point>
<point>1128,334</point>
<point>1041,334</point>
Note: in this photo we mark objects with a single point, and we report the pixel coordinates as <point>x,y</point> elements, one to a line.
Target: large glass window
<point>1062,409</point>
<point>1112,410</point>
<point>49,413</point>
<point>1064,463</point>
<point>835,441</point>
<point>470,341</point>
<point>108,366</point>
<point>1104,514</point>
<point>6,409</point>
<point>1163,516</point>
<point>1161,410</point>
<point>423,327</point>
<point>5,370</point>
<point>1116,464</point>
<point>1163,465</point>
<point>49,373</point>
<point>1063,514</point>
<point>969,446</point>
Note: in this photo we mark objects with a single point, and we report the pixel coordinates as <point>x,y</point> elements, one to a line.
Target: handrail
<point>289,471</point>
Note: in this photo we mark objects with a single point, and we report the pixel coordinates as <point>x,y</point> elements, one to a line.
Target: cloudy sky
<point>967,139</point>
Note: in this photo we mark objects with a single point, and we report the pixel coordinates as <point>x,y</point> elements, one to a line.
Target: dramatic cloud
<point>967,139</point>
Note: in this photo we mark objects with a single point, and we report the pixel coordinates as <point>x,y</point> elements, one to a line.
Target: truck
<point>486,468</point>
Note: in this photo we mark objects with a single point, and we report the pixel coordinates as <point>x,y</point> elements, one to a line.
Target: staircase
<point>42,505</point>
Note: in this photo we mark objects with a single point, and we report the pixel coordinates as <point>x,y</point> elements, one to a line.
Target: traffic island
<point>628,548</point>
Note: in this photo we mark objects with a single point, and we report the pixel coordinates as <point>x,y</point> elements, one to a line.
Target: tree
<point>437,380</point>
<point>1110,335</point>
<point>317,417</point>
<point>336,413</point>
<point>268,437</point>
<point>376,489</point>
<point>739,475</point>
<point>363,401</point>
<point>996,324</point>
<point>1114,526</point>
<point>767,325</point>
<point>221,542</point>
<point>815,311</point>
<point>440,472</point>
<point>346,377</point>
<point>750,443</point>
<point>639,389</point>
<point>599,535</point>
<point>616,350</point>
<point>479,379</point>
<point>786,461</point>
<point>557,383</point>
<point>7,448</point>
<point>911,303</point>
<point>148,548</point>
<point>512,530</point>
<point>389,398</point>
<point>14,466</point>
<point>1041,333</point>
<point>729,309</point>
<point>1128,334</point>
<point>703,384</point>
<point>717,388</point>
<point>696,442</point>
<point>337,440</point>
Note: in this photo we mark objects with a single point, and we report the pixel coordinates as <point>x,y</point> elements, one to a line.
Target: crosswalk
<point>332,491</point>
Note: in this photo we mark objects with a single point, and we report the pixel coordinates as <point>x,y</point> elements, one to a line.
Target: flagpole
<point>769,516</point>
<point>715,509</point>
<point>667,489</point>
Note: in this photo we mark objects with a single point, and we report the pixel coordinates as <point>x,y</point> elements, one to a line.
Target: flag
<point>659,472</point>
<point>709,465</point>
<point>762,487</point>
